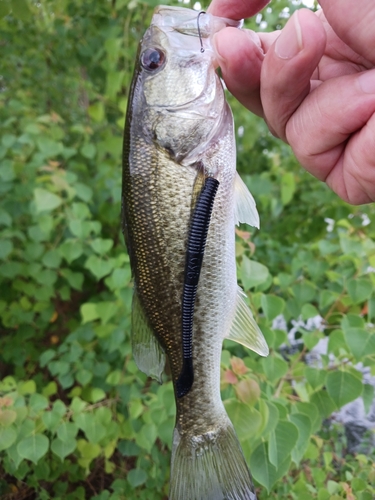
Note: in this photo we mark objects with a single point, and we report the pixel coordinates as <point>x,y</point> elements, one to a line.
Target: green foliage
<point>77,418</point>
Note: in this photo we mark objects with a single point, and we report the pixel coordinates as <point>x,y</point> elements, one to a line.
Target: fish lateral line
<point>194,257</point>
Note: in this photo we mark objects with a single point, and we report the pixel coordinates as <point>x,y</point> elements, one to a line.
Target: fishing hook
<point>199,31</point>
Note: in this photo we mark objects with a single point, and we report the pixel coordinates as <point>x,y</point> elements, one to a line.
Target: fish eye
<point>152,59</point>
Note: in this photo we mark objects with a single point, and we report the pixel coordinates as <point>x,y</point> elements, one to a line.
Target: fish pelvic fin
<point>244,329</point>
<point>148,353</point>
<point>245,209</point>
<point>209,467</point>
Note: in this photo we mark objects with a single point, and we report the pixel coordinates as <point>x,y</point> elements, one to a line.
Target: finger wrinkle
<point>236,10</point>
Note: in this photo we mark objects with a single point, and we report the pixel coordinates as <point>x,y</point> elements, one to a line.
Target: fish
<point>181,200</point>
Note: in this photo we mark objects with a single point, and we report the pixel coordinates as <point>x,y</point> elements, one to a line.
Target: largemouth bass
<point>181,200</point>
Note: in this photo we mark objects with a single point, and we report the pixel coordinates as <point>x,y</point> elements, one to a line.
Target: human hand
<point>313,83</point>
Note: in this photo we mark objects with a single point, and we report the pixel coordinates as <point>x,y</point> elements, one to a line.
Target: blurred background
<point>77,418</point>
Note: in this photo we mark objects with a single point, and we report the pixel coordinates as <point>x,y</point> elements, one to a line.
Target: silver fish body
<point>179,132</point>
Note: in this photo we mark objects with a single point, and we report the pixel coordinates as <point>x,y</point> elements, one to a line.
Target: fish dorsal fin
<point>148,353</point>
<point>244,329</point>
<point>245,209</point>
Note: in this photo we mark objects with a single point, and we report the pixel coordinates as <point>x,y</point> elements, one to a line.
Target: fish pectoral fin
<point>245,209</point>
<point>244,329</point>
<point>148,353</point>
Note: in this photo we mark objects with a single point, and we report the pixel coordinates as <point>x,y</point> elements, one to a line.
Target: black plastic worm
<point>194,257</point>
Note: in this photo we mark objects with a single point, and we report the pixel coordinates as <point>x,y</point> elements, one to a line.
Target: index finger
<point>353,21</point>
<point>236,9</point>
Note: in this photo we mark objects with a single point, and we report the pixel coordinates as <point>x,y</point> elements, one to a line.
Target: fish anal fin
<point>148,353</point>
<point>245,209</point>
<point>244,328</point>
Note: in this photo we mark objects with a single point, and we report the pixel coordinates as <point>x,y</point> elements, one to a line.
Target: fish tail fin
<point>209,467</point>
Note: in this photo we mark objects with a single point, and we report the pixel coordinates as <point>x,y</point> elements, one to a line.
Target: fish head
<point>179,94</point>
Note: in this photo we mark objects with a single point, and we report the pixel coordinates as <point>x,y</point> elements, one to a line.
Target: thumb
<point>240,59</point>
<point>288,68</point>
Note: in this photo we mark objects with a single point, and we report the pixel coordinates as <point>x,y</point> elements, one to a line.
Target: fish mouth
<point>189,22</point>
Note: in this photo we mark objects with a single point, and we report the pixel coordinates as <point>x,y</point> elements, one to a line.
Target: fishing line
<point>194,256</point>
<point>199,31</point>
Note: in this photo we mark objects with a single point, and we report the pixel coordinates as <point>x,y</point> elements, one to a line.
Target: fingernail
<point>367,82</point>
<point>290,42</point>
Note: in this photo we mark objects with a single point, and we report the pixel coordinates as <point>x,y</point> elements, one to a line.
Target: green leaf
<point>84,193</point>
<point>323,402</point>
<point>83,376</point>
<point>106,310</point>
<point>272,306</point>
<point>95,394</point>
<point>327,298</point>
<point>120,278</point>
<point>368,396</point>
<point>272,418</point>
<point>263,471</point>
<point>245,419</point>
<point>101,246</point>
<point>59,408</point>
<point>371,308</point>
<point>5,8</point>
<point>33,447</point>
<point>98,266</point>
<point>336,343</point>
<point>88,150</point>
<point>136,477</point>
<point>38,402</point>
<point>114,377</point>
<point>45,200</point>
<point>46,277</point>
<point>360,342</point>
<point>5,218</point>
<point>309,311</point>
<point>252,273</point>
<point>50,389</point>
<point>304,426</point>
<point>6,246</point>
<point>78,228</point>
<point>315,377</point>
<point>49,147</point>
<point>343,387</point>
<point>63,448</point>
<point>21,9</point>
<point>304,292</point>
<point>281,442</point>
<point>28,387</point>
<point>75,280</point>
<point>8,435</point>
<point>91,426</point>
<point>89,312</point>
<point>67,431</point>
<point>274,367</point>
<point>88,450</point>
<point>146,437</point>
<point>359,289</point>
<point>51,420</point>
<point>52,259</point>
<point>288,187</point>
<point>71,249</point>
<point>7,417</point>
<point>96,111</point>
